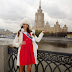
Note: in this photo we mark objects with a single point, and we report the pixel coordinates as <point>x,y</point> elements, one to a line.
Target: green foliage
<point>37,32</point>
<point>47,34</point>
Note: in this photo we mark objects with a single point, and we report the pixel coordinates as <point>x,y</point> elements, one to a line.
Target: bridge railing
<point>48,61</point>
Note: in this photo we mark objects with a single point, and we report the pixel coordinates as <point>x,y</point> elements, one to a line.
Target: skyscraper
<point>39,23</point>
<point>39,19</point>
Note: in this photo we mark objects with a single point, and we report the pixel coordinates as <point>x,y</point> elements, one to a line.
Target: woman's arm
<point>16,42</point>
<point>37,39</point>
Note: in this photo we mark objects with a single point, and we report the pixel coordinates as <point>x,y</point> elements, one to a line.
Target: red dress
<point>26,52</point>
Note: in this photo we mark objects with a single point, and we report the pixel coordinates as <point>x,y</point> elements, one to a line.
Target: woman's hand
<point>23,43</point>
<point>44,31</point>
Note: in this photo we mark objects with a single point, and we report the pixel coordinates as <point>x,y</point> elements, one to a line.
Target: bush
<point>47,34</point>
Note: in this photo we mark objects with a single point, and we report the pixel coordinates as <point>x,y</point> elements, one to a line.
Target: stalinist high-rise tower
<point>40,24</point>
<point>39,19</point>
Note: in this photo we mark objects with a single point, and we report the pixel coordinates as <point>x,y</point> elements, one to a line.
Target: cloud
<point>14,27</point>
<point>13,11</point>
<point>54,12</point>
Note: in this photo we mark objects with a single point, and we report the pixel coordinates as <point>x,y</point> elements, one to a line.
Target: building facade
<point>6,33</point>
<point>39,19</point>
<point>40,24</point>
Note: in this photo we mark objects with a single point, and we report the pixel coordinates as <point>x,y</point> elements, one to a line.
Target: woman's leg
<point>21,69</point>
<point>29,68</point>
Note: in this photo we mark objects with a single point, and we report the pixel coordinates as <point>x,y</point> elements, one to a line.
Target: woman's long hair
<point>28,30</point>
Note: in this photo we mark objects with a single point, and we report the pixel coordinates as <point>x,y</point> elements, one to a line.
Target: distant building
<point>39,19</point>
<point>6,33</point>
<point>39,23</point>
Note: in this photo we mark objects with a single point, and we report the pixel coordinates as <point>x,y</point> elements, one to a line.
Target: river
<point>52,44</point>
<point>47,44</point>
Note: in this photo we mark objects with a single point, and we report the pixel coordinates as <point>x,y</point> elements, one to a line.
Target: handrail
<point>48,61</point>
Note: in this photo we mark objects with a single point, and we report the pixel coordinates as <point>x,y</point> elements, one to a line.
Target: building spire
<point>40,4</point>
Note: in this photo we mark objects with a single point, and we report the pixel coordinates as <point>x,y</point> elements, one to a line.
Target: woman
<point>26,40</point>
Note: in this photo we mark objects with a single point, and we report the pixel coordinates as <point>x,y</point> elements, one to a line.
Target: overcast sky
<point>13,11</point>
